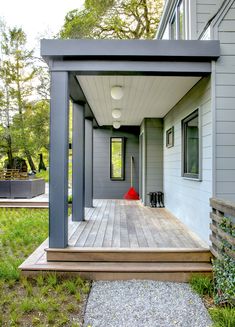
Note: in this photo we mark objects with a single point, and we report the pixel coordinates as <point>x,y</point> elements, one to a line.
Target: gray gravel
<point>144,304</point>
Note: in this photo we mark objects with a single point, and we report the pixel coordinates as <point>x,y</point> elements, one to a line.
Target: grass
<point>202,285</point>
<point>45,300</point>
<point>221,316</point>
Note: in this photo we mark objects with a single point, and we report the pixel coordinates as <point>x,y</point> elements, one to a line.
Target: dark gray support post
<point>78,148</point>
<point>88,163</point>
<point>58,192</point>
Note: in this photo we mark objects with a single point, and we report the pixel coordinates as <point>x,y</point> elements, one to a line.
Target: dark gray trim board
<point>145,50</point>
<point>121,67</point>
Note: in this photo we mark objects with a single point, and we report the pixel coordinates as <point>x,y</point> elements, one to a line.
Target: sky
<point>38,19</point>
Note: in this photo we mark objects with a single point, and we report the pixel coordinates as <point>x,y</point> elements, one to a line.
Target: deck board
<point>128,224</point>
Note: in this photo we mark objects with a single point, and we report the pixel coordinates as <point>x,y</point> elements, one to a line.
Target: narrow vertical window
<point>181,35</point>
<point>190,134</point>
<point>173,28</point>
<point>117,159</point>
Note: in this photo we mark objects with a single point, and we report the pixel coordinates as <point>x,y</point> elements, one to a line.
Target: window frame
<point>168,132</point>
<point>192,115</point>
<point>122,178</point>
<point>176,19</point>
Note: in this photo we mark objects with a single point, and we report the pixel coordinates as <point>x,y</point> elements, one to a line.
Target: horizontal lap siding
<point>154,156</point>
<point>205,9</point>
<point>104,188</point>
<point>225,109</point>
<point>187,199</point>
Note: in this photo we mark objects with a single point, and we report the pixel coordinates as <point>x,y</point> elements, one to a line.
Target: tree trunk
<point>30,160</point>
<point>9,152</point>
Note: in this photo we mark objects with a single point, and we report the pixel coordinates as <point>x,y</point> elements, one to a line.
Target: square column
<point>78,162</point>
<point>59,146</point>
<point>88,163</point>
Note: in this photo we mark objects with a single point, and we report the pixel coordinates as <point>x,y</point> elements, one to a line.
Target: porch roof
<point>159,71</point>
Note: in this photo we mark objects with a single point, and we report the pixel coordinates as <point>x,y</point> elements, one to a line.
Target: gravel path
<point>144,304</point>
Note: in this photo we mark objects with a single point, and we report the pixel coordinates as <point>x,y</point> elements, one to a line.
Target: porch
<point>117,239</point>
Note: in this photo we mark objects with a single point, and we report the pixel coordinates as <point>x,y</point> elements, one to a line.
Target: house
<point>170,104</point>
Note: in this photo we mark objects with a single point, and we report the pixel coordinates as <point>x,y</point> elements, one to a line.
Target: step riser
<point>181,277</point>
<point>128,257</point>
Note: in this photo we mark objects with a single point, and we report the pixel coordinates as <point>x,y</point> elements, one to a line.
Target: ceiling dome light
<point>117,92</point>
<point>116,124</point>
<point>116,113</point>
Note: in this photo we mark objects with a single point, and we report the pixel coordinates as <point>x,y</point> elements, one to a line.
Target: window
<point>170,137</point>
<point>190,137</point>
<point>173,28</point>
<point>117,158</point>
<point>177,23</point>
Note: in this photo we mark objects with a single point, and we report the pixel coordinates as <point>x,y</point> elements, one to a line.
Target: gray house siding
<point>225,107</point>
<point>205,10</point>
<point>104,187</point>
<point>152,129</point>
<point>189,199</point>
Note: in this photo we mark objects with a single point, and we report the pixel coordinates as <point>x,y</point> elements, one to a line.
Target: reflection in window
<point>191,145</point>
<point>117,158</point>
<point>181,20</point>
<point>173,28</point>
<point>177,28</point>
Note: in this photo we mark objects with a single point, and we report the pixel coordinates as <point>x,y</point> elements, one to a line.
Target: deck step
<point>73,254</point>
<point>177,272</point>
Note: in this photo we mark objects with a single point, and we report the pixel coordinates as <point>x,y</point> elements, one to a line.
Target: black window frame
<point>122,178</point>
<point>184,122</point>
<point>168,132</point>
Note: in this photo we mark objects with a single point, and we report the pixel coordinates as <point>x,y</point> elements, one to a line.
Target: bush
<point>70,199</point>
<point>224,280</point>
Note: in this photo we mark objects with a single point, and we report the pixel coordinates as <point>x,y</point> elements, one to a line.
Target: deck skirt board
<point>122,239</point>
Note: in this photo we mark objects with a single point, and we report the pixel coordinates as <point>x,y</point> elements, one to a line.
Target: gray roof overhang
<point>128,57</point>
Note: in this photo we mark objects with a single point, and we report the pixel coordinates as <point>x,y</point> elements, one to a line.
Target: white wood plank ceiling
<point>144,96</point>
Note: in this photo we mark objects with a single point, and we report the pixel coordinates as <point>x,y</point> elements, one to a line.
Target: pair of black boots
<point>156,199</point>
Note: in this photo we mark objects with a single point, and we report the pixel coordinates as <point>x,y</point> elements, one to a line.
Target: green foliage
<point>45,299</point>
<point>114,19</point>
<point>224,280</point>
<point>19,236</point>
<point>227,226</point>
<point>43,174</point>
<point>202,285</point>
<point>223,317</point>
<point>70,199</point>
<point>24,114</point>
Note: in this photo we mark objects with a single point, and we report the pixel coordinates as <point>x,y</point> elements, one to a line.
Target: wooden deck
<point>128,224</point>
<point>123,239</point>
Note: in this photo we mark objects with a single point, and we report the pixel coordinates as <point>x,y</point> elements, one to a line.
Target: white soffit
<point>144,96</point>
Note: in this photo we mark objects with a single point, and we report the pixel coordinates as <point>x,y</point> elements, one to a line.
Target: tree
<point>18,74</point>
<point>114,19</point>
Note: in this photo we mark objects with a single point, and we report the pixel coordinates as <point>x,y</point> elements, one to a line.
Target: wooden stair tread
<point>120,267</point>
<point>122,250</point>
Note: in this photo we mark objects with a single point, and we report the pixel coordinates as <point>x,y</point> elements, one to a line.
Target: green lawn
<point>45,299</point>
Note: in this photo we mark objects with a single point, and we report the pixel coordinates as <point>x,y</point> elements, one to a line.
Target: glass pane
<point>192,146</point>
<point>181,21</point>
<point>117,158</point>
<point>173,29</point>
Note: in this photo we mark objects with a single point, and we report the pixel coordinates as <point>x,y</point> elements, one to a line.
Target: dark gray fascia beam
<point>122,67</point>
<point>145,50</point>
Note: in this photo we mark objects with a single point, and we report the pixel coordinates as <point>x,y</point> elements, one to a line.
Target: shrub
<point>70,199</point>
<point>224,280</point>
